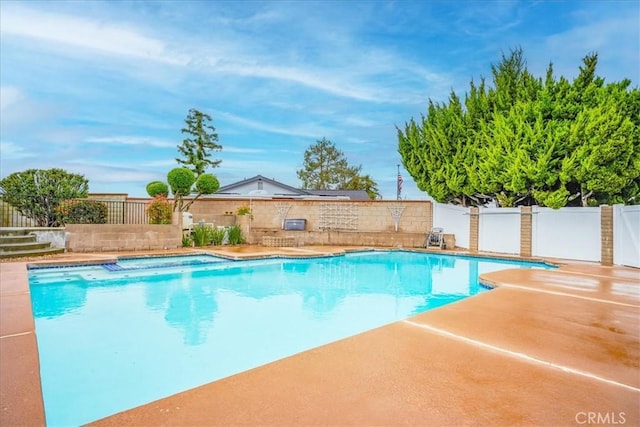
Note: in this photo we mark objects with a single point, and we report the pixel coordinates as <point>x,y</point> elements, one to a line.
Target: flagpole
<point>398,184</point>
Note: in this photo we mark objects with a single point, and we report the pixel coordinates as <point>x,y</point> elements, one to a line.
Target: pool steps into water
<point>112,267</point>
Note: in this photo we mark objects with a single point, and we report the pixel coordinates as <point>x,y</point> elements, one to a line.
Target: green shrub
<point>217,236</point>
<point>82,211</point>
<point>36,193</point>
<point>187,241</point>
<point>244,210</point>
<point>159,210</point>
<point>235,235</point>
<point>202,235</point>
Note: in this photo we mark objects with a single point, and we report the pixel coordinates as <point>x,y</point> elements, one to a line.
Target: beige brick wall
<point>369,216</point>
<point>373,222</point>
<point>342,238</point>
<point>112,237</point>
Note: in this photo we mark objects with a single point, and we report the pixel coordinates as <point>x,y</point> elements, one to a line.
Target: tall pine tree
<point>199,143</point>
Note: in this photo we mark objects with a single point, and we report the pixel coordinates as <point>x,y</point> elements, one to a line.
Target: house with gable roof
<point>260,186</point>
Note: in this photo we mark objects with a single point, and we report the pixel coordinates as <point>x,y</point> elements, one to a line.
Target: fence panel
<point>567,233</point>
<point>125,212</point>
<point>10,217</point>
<point>118,212</point>
<point>499,230</point>
<point>626,235</point>
<point>454,220</point>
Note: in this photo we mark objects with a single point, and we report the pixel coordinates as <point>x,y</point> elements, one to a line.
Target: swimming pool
<point>112,340</point>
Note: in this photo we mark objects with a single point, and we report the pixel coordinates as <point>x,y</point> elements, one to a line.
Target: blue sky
<point>102,88</point>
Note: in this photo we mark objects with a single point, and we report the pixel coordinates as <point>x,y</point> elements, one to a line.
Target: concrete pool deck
<point>557,347</point>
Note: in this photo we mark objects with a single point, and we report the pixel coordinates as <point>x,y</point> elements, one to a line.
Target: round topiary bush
<point>157,188</point>
<point>207,184</point>
<point>181,180</point>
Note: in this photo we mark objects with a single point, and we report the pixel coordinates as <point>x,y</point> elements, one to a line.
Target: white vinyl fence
<point>454,220</point>
<point>626,235</point>
<point>499,230</point>
<point>568,233</point>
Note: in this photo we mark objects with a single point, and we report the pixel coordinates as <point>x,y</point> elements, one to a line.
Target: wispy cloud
<point>486,19</point>
<point>335,85</point>
<point>165,164</point>
<point>111,172</point>
<point>104,37</point>
<point>130,140</point>
<point>307,131</point>
<point>242,150</point>
<point>18,110</point>
<point>127,41</point>
<point>9,96</point>
<point>602,35</point>
<point>12,151</point>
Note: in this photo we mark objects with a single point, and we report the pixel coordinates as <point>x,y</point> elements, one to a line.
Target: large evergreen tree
<point>190,180</point>
<point>527,140</point>
<point>356,181</point>
<point>326,168</point>
<point>324,165</point>
<point>200,141</point>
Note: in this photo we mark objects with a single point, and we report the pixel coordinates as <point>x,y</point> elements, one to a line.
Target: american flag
<point>399,184</point>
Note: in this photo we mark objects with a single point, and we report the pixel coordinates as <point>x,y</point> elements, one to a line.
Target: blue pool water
<point>110,340</point>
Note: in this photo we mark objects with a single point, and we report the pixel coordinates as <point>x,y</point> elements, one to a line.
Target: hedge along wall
<point>339,222</point>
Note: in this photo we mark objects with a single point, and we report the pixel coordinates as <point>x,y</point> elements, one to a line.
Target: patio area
<point>547,347</point>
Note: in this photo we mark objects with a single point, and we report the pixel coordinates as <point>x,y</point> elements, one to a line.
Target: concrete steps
<point>15,238</point>
<point>18,243</point>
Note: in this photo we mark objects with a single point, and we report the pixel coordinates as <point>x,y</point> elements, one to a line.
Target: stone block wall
<point>338,238</point>
<point>118,237</point>
<point>364,216</point>
<point>371,224</point>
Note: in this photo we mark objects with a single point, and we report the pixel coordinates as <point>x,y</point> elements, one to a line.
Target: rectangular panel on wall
<point>338,216</point>
<point>567,233</point>
<point>499,230</point>
<point>626,235</point>
<point>454,220</point>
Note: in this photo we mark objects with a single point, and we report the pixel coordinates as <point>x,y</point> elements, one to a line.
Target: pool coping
<point>280,255</point>
<point>21,395</point>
